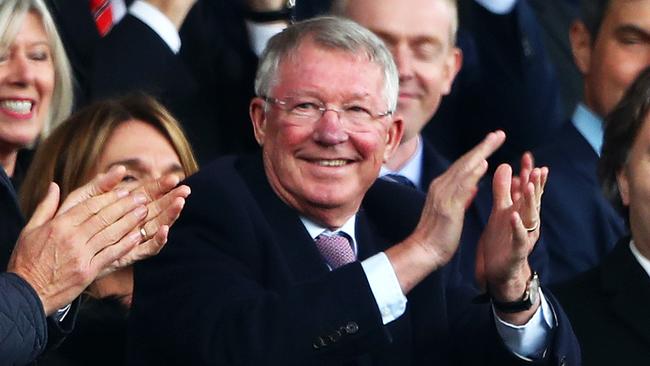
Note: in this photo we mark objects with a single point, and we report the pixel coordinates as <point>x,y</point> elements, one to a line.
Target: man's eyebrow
<point>631,29</point>
<point>385,36</point>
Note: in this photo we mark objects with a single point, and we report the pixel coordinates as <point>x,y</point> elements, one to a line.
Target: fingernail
<point>121,193</point>
<point>140,212</point>
<point>139,198</point>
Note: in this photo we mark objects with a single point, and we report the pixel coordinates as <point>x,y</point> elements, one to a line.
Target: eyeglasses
<point>311,110</point>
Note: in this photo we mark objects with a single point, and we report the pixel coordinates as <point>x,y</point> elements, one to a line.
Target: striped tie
<point>103,14</point>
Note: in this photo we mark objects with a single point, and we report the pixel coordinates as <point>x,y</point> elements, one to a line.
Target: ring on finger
<point>533,228</point>
<point>143,233</point>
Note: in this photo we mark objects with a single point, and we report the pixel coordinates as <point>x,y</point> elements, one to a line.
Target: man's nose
<point>404,61</point>
<point>329,129</point>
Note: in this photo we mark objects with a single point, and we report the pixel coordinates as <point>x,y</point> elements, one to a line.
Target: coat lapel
<point>629,286</point>
<point>297,247</point>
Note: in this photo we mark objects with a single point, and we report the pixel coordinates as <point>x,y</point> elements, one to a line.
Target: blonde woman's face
<point>26,85</point>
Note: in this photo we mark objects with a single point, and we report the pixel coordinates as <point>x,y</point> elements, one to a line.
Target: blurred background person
<point>617,291</point>
<point>197,57</point>
<point>422,35</point>
<point>134,131</point>
<point>611,46</point>
<point>35,81</point>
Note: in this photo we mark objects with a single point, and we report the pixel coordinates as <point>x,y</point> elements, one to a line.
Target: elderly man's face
<point>634,185</point>
<point>323,168</point>
<point>418,34</point>
<point>620,52</point>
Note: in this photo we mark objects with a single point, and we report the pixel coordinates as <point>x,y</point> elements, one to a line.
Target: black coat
<point>208,85</point>
<point>242,283</point>
<point>608,308</point>
<point>507,82</point>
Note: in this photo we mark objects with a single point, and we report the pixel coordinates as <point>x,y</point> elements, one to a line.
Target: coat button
<point>351,328</point>
<point>319,343</point>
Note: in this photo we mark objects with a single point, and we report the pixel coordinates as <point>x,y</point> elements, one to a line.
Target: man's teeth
<point>339,162</point>
<point>17,106</point>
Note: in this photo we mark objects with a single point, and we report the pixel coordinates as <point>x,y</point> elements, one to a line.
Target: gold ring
<point>143,233</point>
<point>532,228</point>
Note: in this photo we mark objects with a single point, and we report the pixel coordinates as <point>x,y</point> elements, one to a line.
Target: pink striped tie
<point>335,249</point>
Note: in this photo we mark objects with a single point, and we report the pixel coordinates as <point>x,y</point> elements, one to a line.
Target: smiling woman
<point>139,134</point>
<point>35,78</point>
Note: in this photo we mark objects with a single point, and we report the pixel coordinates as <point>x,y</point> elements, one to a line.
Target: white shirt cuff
<point>260,33</point>
<point>498,6</point>
<point>528,341</point>
<point>385,287</point>
<point>158,22</point>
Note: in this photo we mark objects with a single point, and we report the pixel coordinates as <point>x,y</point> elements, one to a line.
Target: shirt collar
<point>589,125</point>
<point>413,167</point>
<point>643,261</point>
<point>315,229</point>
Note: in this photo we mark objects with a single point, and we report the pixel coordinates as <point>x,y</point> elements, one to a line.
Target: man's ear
<point>452,66</point>
<point>258,118</point>
<point>393,137</point>
<point>623,186</point>
<point>581,46</point>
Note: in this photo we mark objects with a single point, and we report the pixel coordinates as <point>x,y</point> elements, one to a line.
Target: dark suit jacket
<point>608,307</point>
<point>506,82</point>
<point>242,283</point>
<point>208,85</point>
<point>433,165</point>
<point>555,19</point>
<point>79,34</point>
<point>11,222</point>
<point>579,226</point>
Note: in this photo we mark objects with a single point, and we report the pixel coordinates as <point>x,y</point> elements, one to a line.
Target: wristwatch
<point>527,300</point>
<point>284,13</point>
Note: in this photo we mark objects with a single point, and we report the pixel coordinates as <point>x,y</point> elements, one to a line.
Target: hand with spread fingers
<point>437,235</point>
<point>60,254</point>
<point>511,233</point>
<point>95,231</point>
<point>166,202</point>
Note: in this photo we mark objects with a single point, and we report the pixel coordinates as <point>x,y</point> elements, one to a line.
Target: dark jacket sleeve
<point>23,328</point>
<point>207,85</point>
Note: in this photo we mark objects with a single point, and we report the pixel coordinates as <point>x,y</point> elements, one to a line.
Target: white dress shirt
<point>526,341</point>
<point>259,33</point>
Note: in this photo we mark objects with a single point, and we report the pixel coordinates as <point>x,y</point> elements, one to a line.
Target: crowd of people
<point>381,182</point>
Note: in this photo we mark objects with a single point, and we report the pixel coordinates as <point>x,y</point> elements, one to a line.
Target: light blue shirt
<point>413,167</point>
<point>590,126</point>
